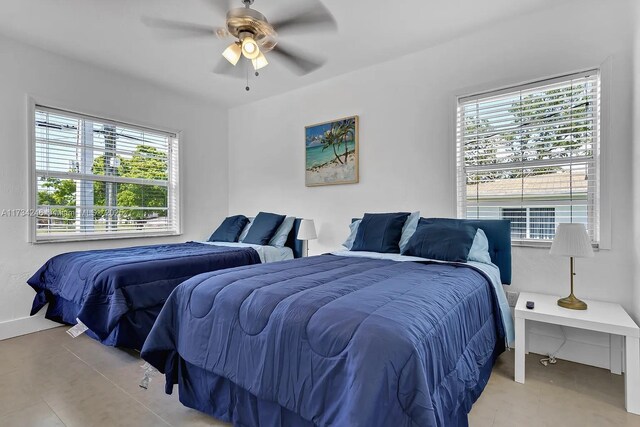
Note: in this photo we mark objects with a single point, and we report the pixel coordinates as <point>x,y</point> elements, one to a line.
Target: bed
<point>342,339</point>
<point>118,293</point>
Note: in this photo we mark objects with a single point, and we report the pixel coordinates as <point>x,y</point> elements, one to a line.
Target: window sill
<point>104,237</point>
<point>540,245</point>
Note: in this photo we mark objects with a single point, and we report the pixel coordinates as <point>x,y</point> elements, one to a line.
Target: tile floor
<point>51,379</point>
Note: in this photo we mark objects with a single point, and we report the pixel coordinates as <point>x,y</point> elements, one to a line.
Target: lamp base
<point>572,303</point>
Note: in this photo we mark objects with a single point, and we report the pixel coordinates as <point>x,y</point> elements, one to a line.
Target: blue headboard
<point>498,233</point>
<point>292,242</point>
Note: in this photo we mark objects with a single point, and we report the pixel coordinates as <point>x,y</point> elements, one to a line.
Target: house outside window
<point>530,154</point>
<point>531,222</point>
<point>95,178</point>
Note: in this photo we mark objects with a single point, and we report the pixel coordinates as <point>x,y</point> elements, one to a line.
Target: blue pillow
<point>353,229</point>
<point>380,233</point>
<point>409,228</point>
<point>263,228</point>
<point>282,234</point>
<point>230,229</point>
<point>479,251</point>
<point>246,230</point>
<point>443,240</point>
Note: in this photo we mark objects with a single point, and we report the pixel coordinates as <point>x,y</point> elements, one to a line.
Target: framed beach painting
<point>332,152</point>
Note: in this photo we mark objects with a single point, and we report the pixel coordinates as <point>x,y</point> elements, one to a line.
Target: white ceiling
<point>110,34</point>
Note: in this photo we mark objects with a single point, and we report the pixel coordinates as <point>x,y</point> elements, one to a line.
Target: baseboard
<point>24,325</point>
<point>587,347</point>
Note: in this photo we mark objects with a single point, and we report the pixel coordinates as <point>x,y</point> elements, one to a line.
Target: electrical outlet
<point>512,298</point>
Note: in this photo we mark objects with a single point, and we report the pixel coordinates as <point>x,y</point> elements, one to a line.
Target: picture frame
<point>332,152</point>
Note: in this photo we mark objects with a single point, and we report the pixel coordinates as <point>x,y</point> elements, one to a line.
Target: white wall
<point>62,82</point>
<point>636,158</point>
<point>407,140</point>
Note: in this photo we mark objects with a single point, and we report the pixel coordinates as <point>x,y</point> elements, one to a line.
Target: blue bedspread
<point>104,285</point>
<point>339,341</point>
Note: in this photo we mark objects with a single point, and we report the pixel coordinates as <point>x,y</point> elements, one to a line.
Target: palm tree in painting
<point>346,131</point>
<point>330,139</point>
<point>341,132</point>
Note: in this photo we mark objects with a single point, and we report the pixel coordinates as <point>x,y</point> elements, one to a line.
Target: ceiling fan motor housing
<point>241,21</point>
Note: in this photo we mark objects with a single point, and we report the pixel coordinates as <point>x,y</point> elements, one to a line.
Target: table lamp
<point>307,231</point>
<point>572,241</point>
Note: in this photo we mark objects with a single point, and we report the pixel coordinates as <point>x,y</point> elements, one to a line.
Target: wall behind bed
<point>74,85</point>
<point>636,156</point>
<point>407,139</point>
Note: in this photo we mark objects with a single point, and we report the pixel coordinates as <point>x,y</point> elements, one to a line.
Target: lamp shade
<point>233,53</point>
<point>572,240</point>
<point>307,230</point>
<point>260,62</point>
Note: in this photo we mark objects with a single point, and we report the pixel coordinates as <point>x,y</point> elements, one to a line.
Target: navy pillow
<point>230,229</point>
<point>442,239</point>
<point>380,232</point>
<point>263,227</point>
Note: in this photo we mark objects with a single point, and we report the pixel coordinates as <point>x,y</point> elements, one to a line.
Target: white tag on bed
<point>149,371</point>
<point>77,330</point>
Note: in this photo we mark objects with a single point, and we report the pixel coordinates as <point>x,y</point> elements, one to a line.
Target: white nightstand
<point>601,317</point>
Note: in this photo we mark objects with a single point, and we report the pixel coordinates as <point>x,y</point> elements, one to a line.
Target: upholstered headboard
<point>498,233</point>
<point>292,242</point>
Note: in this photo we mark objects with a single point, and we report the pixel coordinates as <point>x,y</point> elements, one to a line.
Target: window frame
<point>33,104</point>
<point>603,201</point>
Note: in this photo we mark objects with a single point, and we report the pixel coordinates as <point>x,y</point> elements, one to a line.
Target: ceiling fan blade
<point>224,68</point>
<point>179,28</point>
<point>300,63</point>
<point>222,6</point>
<point>314,18</point>
<point>222,33</point>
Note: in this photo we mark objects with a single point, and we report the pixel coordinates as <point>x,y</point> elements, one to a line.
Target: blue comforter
<point>339,341</point>
<point>104,285</point>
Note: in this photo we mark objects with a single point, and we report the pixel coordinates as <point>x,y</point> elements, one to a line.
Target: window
<point>531,223</point>
<point>542,223</point>
<point>531,154</point>
<point>96,178</point>
<point>518,218</point>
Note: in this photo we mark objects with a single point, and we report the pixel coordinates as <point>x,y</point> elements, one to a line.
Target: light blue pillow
<point>246,230</point>
<point>352,235</point>
<point>409,228</point>
<point>282,233</point>
<point>479,251</point>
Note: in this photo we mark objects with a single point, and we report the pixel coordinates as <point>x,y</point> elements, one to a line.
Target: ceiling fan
<point>255,36</point>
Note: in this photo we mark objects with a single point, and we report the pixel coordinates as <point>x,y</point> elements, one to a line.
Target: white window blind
<point>98,178</point>
<point>531,154</point>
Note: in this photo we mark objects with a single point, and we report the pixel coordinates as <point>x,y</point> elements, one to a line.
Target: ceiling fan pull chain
<point>247,88</point>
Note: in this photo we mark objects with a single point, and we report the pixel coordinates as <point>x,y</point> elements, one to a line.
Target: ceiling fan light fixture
<point>250,48</point>
<point>233,53</point>
<point>260,62</point>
